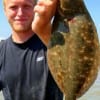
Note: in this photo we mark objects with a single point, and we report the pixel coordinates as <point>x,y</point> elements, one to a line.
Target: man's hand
<point>41,25</point>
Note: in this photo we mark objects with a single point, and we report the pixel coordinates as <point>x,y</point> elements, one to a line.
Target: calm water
<point>92,94</point>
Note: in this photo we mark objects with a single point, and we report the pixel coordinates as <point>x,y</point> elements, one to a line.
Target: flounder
<point>73,50</point>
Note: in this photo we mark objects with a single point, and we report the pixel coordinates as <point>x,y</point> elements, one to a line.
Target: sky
<point>93,7</point>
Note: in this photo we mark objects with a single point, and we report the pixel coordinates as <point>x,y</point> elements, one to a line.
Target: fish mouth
<point>68,7</point>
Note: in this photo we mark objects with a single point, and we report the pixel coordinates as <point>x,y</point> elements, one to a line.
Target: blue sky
<point>93,7</point>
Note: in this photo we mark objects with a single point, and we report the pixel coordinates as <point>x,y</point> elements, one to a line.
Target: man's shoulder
<point>2,43</point>
<point>2,49</point>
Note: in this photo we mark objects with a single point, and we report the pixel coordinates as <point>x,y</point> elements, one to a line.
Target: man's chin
<point>20,29</point>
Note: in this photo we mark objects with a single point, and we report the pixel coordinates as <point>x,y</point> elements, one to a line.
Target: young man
<point>24,72</point>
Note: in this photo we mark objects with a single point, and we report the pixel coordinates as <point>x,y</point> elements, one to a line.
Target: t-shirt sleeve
<point>1,61</point>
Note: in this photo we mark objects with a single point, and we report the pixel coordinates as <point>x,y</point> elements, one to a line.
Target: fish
<point>73,49</point>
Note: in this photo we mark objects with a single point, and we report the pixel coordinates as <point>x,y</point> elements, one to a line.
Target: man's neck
<point>21,37</point>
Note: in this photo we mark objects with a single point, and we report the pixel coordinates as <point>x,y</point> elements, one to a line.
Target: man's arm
<point>44,11</point>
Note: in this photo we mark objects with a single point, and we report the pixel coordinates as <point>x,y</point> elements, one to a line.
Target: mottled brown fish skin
<point>73,51</point>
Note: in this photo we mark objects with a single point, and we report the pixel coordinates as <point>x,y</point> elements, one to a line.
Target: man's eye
<point>13,7</point>
<point>27,6</point>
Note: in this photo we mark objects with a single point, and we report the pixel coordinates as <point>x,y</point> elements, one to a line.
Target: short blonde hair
<point>5,1</point>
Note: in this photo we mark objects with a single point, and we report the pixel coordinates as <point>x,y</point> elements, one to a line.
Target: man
<point>24,73</point>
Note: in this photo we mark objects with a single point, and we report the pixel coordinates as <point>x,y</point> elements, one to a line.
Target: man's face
<point>19,14</point>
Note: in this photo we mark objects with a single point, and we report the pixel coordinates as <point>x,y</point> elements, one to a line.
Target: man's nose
<point>20,11</point>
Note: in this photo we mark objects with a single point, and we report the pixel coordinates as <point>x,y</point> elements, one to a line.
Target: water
<point>92,94</point>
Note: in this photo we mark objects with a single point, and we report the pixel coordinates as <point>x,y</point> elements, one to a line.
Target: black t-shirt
<point>24,73</point>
